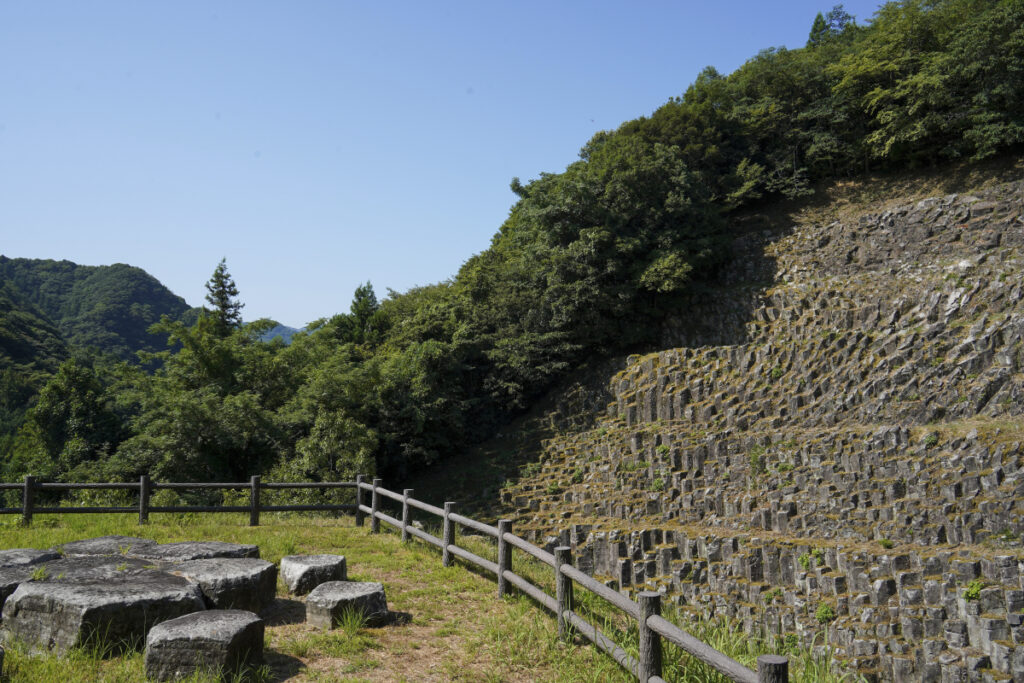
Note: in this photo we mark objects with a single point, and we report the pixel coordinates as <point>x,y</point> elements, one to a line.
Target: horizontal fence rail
<point>145,487</point>
<point>646,666</point>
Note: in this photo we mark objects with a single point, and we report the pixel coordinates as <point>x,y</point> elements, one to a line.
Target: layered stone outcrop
<point>837,452</point>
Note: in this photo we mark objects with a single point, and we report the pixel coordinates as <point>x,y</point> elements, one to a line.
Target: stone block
<point>106,545</point>
<point>58,615</point>
<point>239,583</point>
<point>195,550</point>
<point>326,603</point>
<point>221,642</point>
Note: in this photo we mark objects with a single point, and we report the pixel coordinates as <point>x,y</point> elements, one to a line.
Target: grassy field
<point>449,624</point>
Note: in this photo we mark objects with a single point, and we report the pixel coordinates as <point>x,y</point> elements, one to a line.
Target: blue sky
<point>318,145</point>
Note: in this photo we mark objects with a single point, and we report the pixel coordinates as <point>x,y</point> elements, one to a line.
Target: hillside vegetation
<point>590,261</point>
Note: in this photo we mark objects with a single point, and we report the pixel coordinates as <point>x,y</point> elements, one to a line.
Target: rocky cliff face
<point>839,452</point>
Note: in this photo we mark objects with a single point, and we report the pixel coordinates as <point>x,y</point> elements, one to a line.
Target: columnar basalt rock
<point>327,603</point>
<point>303,573</point>
<point>240,583</point>
<point>871,399</point>
<point>227,642</point>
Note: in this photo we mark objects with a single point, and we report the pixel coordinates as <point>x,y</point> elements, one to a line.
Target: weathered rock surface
<point>328,602</point>
<point>196,550</point>
<point>18,557</point>
<point>227,641</point>
<point>58,615</point>
<point>869,398</point>
<point>303,573</point>
<point>106,545</point>
<point>244,583</point>
<point>10,579</point>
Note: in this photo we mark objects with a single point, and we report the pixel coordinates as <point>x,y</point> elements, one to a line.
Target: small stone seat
<point>244,583</point>
<point>303,573</point>
<point>326,604</point>
<point>222,641</point>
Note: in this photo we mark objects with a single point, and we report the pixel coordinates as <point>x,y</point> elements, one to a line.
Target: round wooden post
<point>650,642</point>
<point>360,515</point>
<point>28,498</point>
<point>448,537</point>
<point>254,500</point>
<point>563,590</point>
<point>504,556</point>
<point>772,669</point>
<point>375,506</point>
<point>143,499</point>
<point>406,494</point>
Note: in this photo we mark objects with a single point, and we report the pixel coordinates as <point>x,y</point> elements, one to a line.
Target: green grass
<point>451,625</point>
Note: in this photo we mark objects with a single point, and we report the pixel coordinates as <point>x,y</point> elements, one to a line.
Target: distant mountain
<point>106,307</point>
<point>283,331</point>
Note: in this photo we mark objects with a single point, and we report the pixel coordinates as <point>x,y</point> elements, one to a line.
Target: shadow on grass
<point>282,667</point>
<point>284,611</point>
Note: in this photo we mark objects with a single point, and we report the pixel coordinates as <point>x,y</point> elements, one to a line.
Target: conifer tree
<point>221,293</point>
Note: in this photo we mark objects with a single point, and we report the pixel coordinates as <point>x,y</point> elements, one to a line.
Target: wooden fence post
<point>27,499</point>
<point>143,499</point>
<point>504,556</point>
<point>254,500</point>
<point>772,669</point>
<point>375,506</point>
<point>650,642</point>
<point>406,494</point>
<point>448,537</point>
<point>360,515</point>
<point>563,590</point>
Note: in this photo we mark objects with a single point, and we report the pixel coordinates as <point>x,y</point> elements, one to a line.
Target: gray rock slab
<point>222,641</point>
<point>326,603</point>
<point>18,557</point>
<point>196,550</point>
<point>10,579</point>
<point>106,545</point>
<point>119,610</point>
<point>240,583</point>
<point>303,573</point>
<point>85,568</point>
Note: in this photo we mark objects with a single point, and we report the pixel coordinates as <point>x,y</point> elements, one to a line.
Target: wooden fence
<point>144,487</point>
<point>646,666</point>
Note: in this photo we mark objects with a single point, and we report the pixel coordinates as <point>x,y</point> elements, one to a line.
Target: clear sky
<point>318,145</point>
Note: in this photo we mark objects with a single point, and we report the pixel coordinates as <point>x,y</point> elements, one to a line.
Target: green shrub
<point>973,590</point>
<point>825,613</point>
<point>805,561</point>
<point>885,543</point>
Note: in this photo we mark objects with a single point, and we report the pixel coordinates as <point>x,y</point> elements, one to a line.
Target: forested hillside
<point>106,307</point>
<point>590,261</point>
<point>48,309</point>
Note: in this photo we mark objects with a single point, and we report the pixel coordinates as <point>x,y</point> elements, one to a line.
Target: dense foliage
<point>588,262</point>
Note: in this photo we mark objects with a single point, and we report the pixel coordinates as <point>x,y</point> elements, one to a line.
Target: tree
<point>221,293</point>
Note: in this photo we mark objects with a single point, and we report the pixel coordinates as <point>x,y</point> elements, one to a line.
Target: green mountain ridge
<point>105,307</point>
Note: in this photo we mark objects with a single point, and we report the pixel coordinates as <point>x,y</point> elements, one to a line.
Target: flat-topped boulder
<point>328,602</point>
<point>85,568</point>
<point>118,610</point>
<point>240,583</point>
<point>18,557</point>
<point>303,573</point>
<point>224,641</point>
<point>106,545</point>
<point>195,550</point>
